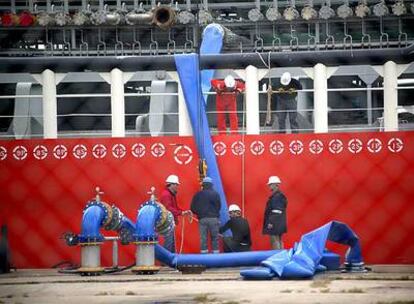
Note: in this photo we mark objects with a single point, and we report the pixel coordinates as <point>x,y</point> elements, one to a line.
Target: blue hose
<point>187,68</point>
<point>233,259</point>
<point>126,230</point>
<point>211,44</point>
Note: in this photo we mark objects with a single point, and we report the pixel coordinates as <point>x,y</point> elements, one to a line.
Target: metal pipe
<point>383,36</point>
<point>366,38</point>
<point>311,38</point>
<point>101,43</point>
<point>276,40</point>
<point>139,18</point>
<point>90,238</point>
<point>330,39</point>
<point>119,45</point>
<point>347,37</point>
<point>83,46</point>
<point>136,43</point>
<point>146,236</point>
<point>98,214</point>
<point>115,263</point>
<point>153,47</point>
<point>164,17</point>
<point>219,61</point>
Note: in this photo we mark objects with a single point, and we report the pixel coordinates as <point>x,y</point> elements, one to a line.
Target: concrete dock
<point>384,284</point>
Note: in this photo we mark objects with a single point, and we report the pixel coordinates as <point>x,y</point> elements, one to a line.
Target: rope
<point>190,220</point>
<point>269,101</point>
<point>269,89</point>
<point>182,237</point>
<point>269,95</point>
<point>243,156</point>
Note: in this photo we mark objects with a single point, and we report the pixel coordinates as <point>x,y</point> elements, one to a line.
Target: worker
<point>169,199</point>
<point>206,206</point>
<point>274,223</point>
<point>226,102</point>
<point>239,226</point>
<point>285,99</point>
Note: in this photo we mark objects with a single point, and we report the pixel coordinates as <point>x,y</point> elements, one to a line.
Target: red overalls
<point>226,101</point>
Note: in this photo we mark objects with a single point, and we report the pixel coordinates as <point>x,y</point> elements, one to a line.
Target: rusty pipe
<point>161,16</point>
<point>164,17</point>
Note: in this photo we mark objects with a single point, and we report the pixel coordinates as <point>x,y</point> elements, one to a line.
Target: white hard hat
<point>229,81</point>
<point>234,207</point>
<point>274,180</point>
<point>172,179</point>
<point>286,78</point>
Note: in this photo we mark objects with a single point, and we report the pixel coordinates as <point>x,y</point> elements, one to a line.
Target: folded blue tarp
<point>304,259</point>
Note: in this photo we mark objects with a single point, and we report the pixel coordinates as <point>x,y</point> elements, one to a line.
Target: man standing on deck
<point>274,223</point>
<point>284,97</point>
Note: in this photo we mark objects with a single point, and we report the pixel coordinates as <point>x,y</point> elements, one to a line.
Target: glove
<point>187,212</point>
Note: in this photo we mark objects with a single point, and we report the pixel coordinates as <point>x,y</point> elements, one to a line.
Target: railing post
<point>320,99</point>
<point>390,96</point>
<point>117,103</point>
<point>252,101</point>
<point>49,104</point>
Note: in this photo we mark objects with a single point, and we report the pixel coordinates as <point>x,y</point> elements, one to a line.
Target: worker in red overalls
<point>226,98</point>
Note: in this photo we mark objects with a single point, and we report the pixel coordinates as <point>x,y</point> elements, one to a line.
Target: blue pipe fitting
<point>94,215</point>
<point>148,215</point>
<point>103,205</point>
<point>126,230</point>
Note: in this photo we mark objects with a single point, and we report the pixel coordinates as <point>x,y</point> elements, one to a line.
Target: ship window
<point>20,115</point>
<point>355,100</point>
<point>406,100</point>
<point>6,108</point>
<point>151,107</point>
<point>137,104</point>
<point>85,110</point>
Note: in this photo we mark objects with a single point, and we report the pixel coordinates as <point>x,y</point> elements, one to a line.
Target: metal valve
<point>98,194</point>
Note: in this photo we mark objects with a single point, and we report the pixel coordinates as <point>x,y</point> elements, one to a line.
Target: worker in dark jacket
<point>206,205</point>
<point>274,223</point>
<point>240,241</point>
<point>285,101</point>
